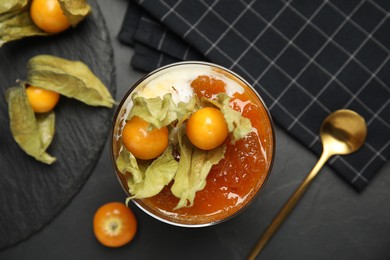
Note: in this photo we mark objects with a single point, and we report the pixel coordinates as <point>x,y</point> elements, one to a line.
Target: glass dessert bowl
<point>199,171</point>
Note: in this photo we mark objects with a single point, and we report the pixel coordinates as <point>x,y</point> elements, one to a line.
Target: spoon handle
<point>287,208</point>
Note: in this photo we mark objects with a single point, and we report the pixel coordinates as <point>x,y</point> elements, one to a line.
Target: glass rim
<point>138,202</point>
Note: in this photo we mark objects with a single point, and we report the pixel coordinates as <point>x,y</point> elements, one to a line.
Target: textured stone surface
<point>32,193</point>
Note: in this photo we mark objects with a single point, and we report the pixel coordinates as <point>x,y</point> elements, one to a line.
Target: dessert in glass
<point>192,144</point>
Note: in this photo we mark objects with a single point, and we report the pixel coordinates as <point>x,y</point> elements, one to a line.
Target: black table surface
<point>332,221</point>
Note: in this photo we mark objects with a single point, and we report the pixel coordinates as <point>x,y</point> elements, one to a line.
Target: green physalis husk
<point>16,23</point>
<point>69,78</point>
<point>158,112</point>
<point>194,167</point>
<point>190,172</point>
<point>147,180</point>
<point>32,133</point>
<point>238,125</point>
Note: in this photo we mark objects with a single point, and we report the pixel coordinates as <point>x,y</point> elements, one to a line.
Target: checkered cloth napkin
<point>306,58</point>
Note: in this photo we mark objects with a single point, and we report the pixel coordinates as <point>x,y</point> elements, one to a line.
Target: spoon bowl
<point>342,132</point>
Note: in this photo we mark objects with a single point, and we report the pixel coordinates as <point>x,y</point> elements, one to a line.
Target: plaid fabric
<point>306,58</point>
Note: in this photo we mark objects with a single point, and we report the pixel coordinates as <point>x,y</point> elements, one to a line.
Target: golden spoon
<point>342,132</point>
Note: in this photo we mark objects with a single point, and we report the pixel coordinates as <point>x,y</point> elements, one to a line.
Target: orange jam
<point>235,180</point>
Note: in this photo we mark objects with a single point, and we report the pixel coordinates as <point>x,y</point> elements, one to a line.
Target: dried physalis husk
<point>75,10</point>
<point>16,23</point>
<point>32,132</point>
<point>69,78</point>
<point>11,5</point>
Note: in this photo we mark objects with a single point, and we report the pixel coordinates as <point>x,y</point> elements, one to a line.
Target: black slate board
<point>31,193</point>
